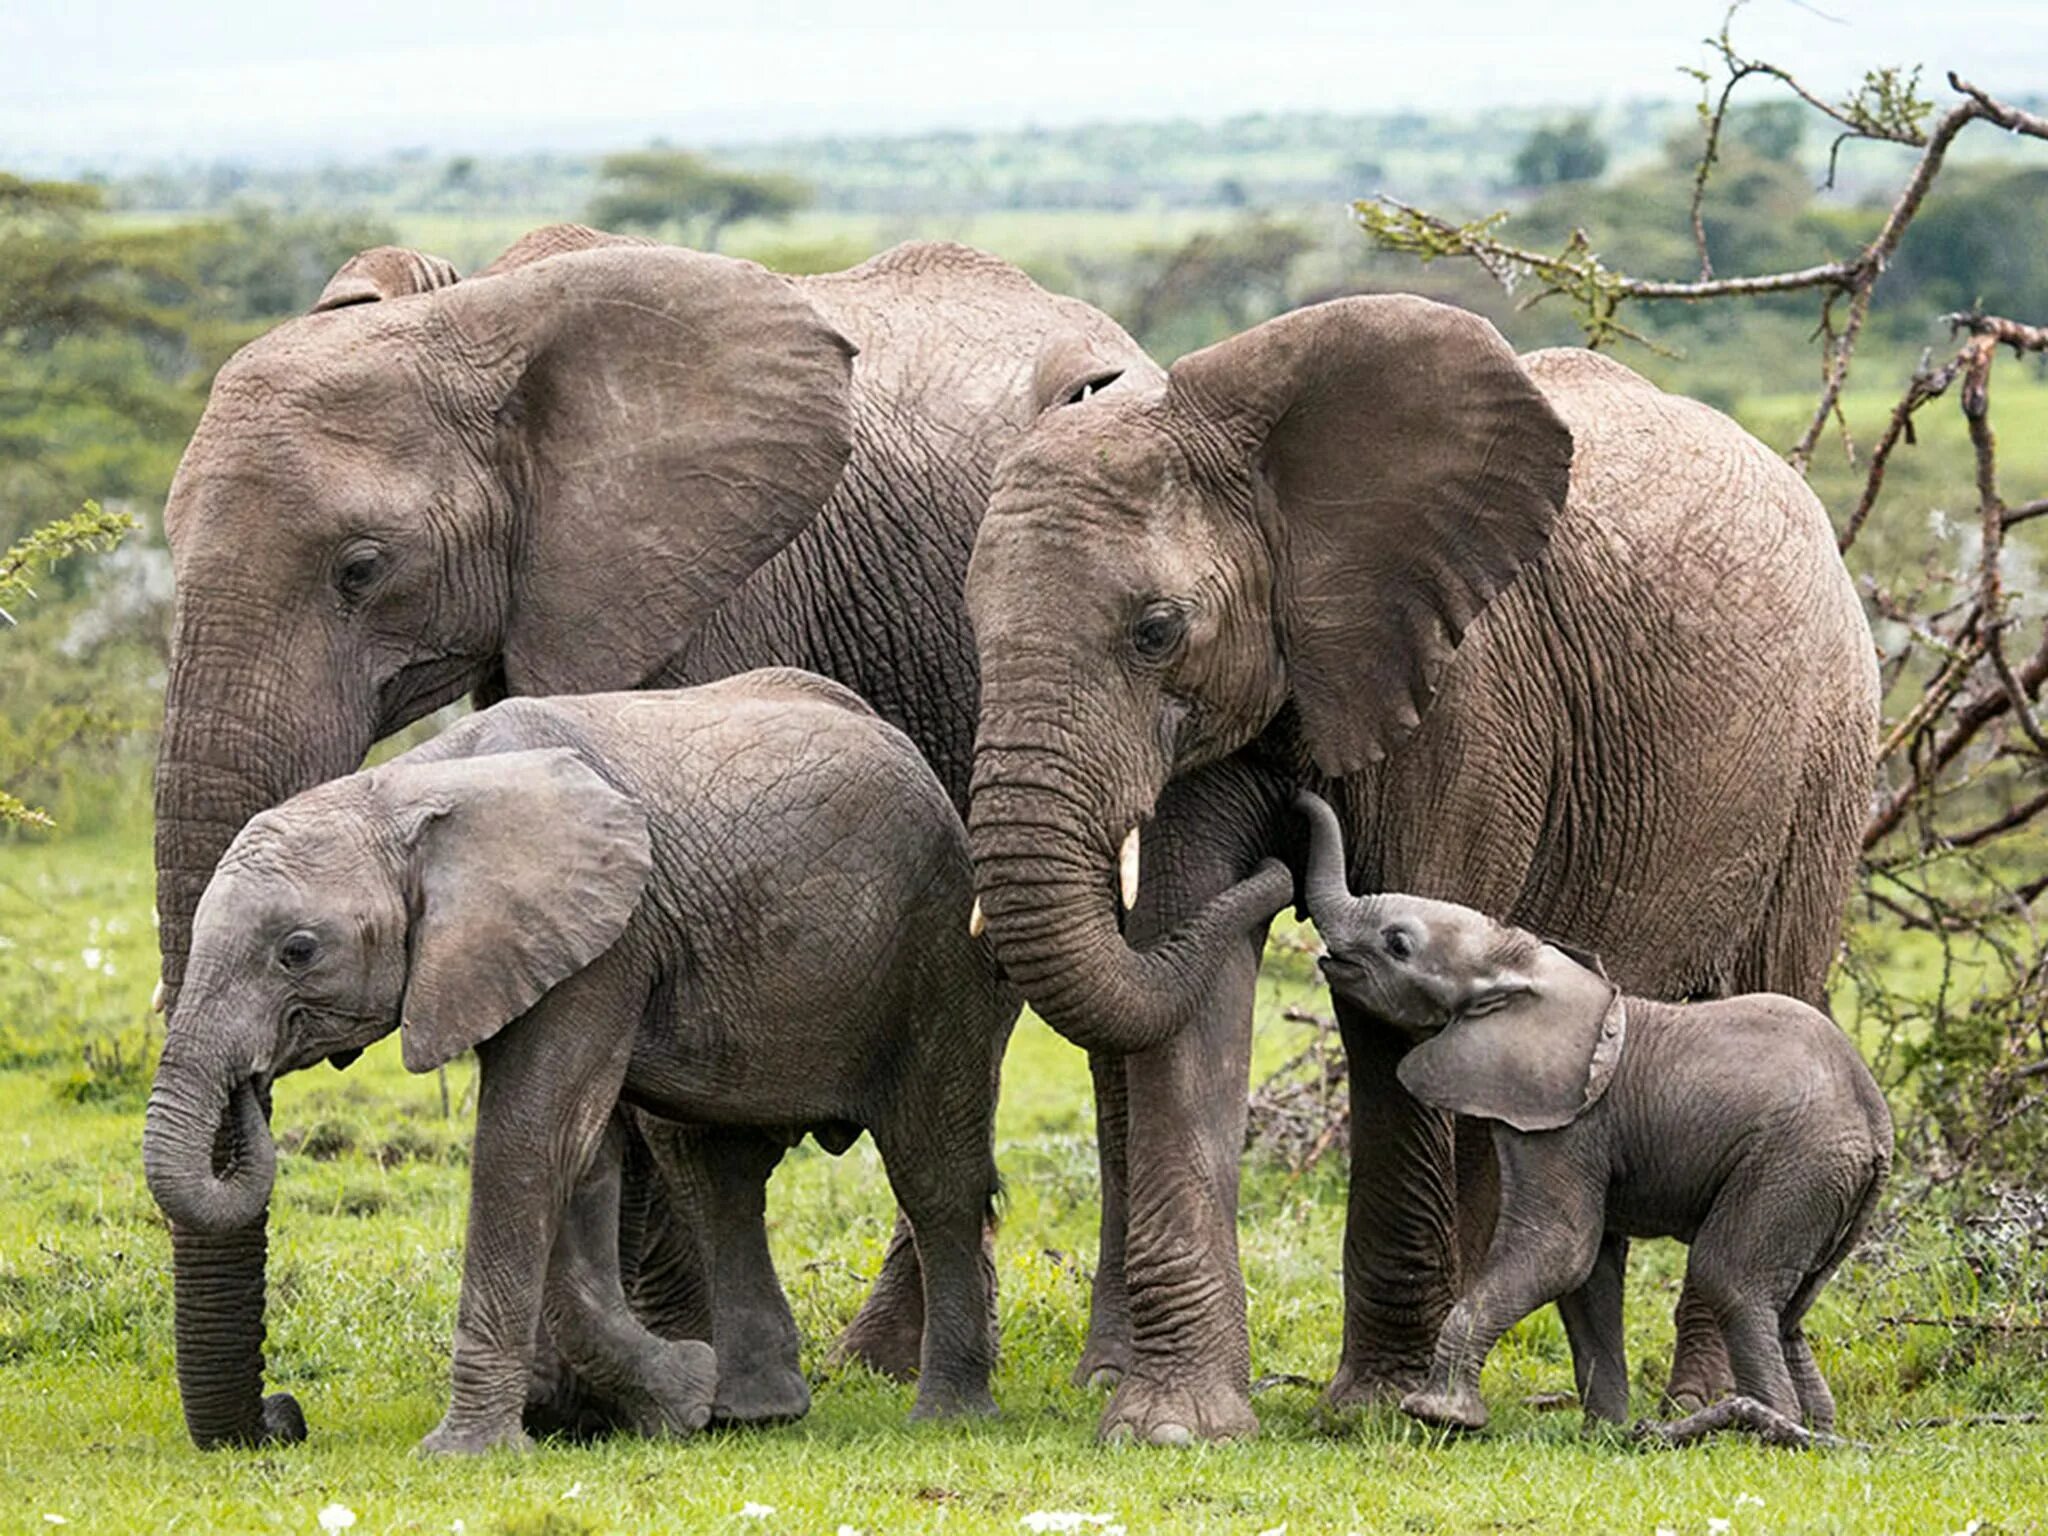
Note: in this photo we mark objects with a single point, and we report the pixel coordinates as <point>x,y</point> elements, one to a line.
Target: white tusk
<point>977,925</point>
<point>1127,869</point>
<point>156,998</point>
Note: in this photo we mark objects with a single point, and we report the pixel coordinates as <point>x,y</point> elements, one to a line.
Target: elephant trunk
<point>206,1147</point>
<point>210,1163</point>
<point>1049,889</point>
<point>230,749</point>
<point>1328,891</point>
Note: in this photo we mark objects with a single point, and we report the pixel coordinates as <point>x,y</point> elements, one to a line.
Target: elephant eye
<point>297,950</point>
<point>1158,630</point>
<point>1397,942</point>
<point>357,571</point>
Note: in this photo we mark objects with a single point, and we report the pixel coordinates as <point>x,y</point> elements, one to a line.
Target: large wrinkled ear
<point>669,420</point>
<point>526,868</point>
<point>383,272</point>
<point>556,240</point>
<point>1072,366</point>
<point>1405,468</point>
<point>1535,1047</point>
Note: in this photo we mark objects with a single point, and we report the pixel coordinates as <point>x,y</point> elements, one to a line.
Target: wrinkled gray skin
<point>736,905</point>
<point>595,465</point>
<point>1557,645</point>
<point>1748,1127</point>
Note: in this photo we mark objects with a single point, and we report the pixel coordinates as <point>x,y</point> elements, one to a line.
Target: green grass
<point>367,1233</point>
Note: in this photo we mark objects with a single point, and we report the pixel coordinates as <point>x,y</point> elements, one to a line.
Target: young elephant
<point>743,904</point>
<point>1749,1128</point>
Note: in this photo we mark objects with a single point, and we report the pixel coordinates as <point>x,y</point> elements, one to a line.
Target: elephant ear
<point>669,420</point>
<point>526,867</point>
<point>383,272</point>
<point>1405,468</point>
<point>1535,1047</point>
<point>556,240</point>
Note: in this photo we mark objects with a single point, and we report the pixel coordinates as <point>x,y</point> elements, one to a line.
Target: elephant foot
<point>1105,1361</point>
<point>449,1439</point>
<point>679,1391</point>
<point>1358,1385</point>
<point>886,1336</point>
<point>1453,1409</point>
<point>760,1392</point>
<point>283,1421</point>
<point>1155,1414</point>
<point>935,1401</point>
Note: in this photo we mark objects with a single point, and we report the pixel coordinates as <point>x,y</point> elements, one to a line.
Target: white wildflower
<point>847,1530</point>
<point>752,1511</point>
<point>1665,1530</point>
<point>1972,1528</point>
<point>574,1491</point>
<point>1063,1520</point>
<point>1748,1498</point>
<point>49,1519</point>
<point>1276,1530</point>
<point>1718,1526</point>
<point>336,1517</point>
<point>92,955</point>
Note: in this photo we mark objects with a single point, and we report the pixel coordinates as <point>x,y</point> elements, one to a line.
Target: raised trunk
<point>1326,887</point>
<point>1048,886</point>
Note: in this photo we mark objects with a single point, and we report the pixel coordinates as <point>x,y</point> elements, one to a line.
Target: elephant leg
<point>1190,1371</point>
<point>760,1375</point>
<point>1816,1402</point>
<point>666,1275</point>
<point>942,1166</point>
<point>887,1332</point>
<point>1400,1226</point>
<point>549,1085</point>
<point>1700,1370</point>
<point>660,1386</point>
<point>1547,1245</point>
<point>1592,1321</point>
<point>1180,1136</point>
<point>1106,1355</point>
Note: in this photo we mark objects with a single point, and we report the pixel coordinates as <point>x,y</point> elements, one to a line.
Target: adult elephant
<point>1192,594</point>
<point>597,464</point>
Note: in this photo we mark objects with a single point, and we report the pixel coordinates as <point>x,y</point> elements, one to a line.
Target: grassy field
<point>367,1229</point>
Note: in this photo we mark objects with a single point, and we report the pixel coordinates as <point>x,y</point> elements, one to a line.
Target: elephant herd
<point>1552,643</point>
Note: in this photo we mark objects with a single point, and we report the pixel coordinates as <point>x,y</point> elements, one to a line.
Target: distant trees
<point>670,191</point>
<point>1560,152</point>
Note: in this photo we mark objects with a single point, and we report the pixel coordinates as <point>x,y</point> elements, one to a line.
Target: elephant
<point>1558,646</point>
<point>596,464</point>
<point>1748,1127</point>
<point>738,904</point>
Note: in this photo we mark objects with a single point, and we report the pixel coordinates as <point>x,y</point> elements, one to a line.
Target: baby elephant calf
<point>737,905</point>
<point>1748,1127</point>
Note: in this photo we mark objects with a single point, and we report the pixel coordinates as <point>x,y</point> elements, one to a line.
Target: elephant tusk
<point>1127,869</point>
<point>977,924</point>
<point>156,998</point>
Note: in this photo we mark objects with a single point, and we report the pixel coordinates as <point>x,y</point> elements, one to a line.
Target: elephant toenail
<point>1105,1378</point>
<point>1172,1434</point>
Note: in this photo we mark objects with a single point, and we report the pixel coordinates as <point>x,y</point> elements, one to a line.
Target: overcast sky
<point>123,82</point>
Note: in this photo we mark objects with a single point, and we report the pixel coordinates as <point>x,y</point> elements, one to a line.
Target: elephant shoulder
<point>1668,477</point>
<point>521,724</point>
<point>792,685</point>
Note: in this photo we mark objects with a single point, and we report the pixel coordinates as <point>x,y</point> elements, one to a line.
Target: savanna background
<point>128,274</point>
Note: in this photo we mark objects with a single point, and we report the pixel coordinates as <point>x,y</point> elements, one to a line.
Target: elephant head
<point>442,899</point>
<point>1510,1028</point>
<point>1299,522</point>
<point>538,479</point>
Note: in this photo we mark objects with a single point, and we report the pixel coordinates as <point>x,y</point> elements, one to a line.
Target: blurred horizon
<point>114,87</point>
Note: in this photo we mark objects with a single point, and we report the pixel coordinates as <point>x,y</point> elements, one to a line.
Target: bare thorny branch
<point>1953,845</point>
